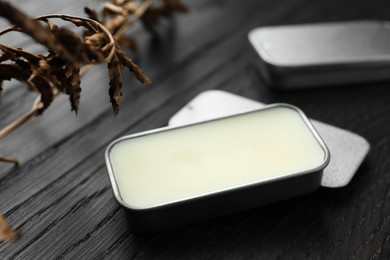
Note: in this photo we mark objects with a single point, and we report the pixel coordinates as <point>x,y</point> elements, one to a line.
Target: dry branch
<point>67,51</point>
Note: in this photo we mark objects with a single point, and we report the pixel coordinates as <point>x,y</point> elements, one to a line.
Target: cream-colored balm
<point>171,165</point>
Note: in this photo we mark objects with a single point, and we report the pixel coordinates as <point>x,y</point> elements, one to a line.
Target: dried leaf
<point>36,79</point>
<point>59,75</point>
<point>44,88</point>
<point>68,82</point>
<point>52,26</point>
<point>6,233</point>
<point>75,90</point>
<point>91,12</point>
<point>22,71</point>
<point>10,71</point>
<point>39,69</point>
<point>100,43</point>
<point>14,54</point>
<point>97,40</point>
<point>115,75</point>
<point>134,68</point>
<point>26,68</point>
<point>127,42</point>
<point>80,51</point>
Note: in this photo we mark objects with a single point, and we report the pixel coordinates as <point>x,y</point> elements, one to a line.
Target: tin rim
<point>289,175</point>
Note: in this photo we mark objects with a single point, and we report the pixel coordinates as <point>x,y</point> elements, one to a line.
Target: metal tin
<point>313,55</point>
<point>219,202</point>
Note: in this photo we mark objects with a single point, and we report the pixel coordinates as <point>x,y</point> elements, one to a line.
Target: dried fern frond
<point>115,75</point>
<point>60,68</point>
<point>115,67</point>
<point>67,51</point>
<point>70,55</point>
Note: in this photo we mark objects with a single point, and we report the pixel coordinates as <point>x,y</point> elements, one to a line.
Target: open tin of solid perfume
<point>177,175</point>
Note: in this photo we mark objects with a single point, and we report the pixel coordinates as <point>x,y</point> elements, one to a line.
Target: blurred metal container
<point>324,54</point>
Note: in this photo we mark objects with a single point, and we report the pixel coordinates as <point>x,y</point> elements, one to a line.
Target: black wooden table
<point>60,197</point>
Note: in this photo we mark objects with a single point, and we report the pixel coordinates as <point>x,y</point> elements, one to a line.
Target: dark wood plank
<point>60,196</point>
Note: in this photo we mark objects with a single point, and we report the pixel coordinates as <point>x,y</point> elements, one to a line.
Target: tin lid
<point>347,149</point>
<point>334,43</point>
<point>322,54</point>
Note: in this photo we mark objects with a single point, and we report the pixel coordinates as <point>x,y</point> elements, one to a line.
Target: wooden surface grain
<point>60,197</point>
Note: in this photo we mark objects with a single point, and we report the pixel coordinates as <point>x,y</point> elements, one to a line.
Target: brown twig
<point>13,160</point>
<point>18,122</point>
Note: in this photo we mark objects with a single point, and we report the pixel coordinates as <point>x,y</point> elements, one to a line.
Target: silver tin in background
<point>188,210</point>
<point>312,55</point>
